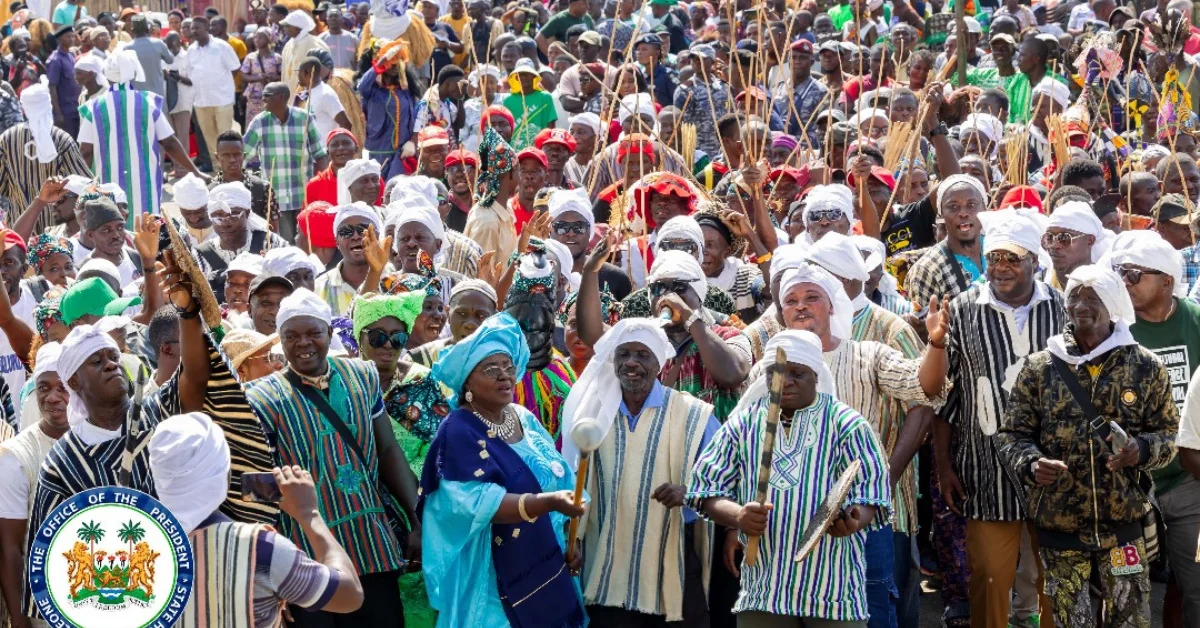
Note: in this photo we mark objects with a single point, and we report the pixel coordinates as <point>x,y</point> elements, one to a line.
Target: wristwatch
<point>691,319</point>
<point>940,129</point>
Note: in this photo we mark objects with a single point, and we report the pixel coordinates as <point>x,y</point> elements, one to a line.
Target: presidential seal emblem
<point>111,556</point>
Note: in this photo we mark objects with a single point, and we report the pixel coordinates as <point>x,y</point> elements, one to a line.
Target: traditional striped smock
<point>124,127</point>
<point>886,412</point>
<point>347,493</point>
<point>986,351</point>
<point>544,392</point>
<point>824,438</point>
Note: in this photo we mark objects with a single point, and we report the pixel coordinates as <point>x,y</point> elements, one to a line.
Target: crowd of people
<point>906,292</point>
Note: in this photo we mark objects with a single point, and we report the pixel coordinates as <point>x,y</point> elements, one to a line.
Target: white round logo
<point>111,556</point>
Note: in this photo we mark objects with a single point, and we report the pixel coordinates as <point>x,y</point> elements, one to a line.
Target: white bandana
<point>985,123</point>
<point>115,191</point>
<point>354,170</point>
<point>1052,89</point>
<point>358,209</point>
<point>1009,228</point>
<point>411,209</point>
<point>826,197</point>
<point>681,228</point>
<point>587,119</point>
<point>1148,249</point>
<point>960,179</point>
<point>841,316</point>
<point>595,398</point>
<point>563,201</point>
<point>566,262</point>
<point>418,188</point>
<point>231,195</point>
<point>77,184</point>
<point>801,347</point>
<point>251,263</point>
<point>47,360</point>
<point>123,66</point>
<point>39,115</point>
<point>301,20</point>
<point>284,259</point>
<point>79,345</point>
<point>839,255</point>
<point>635,104</point>
<point>1078,216</point>
<point>189,461</point>
<point>1112,292</point>
<point>302,302</point>
<point>191,193</point>
<point>682,267</point>
<point>473,284</point>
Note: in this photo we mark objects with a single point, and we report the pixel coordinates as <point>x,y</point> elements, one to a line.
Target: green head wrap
<point>89,296</point>
<point>405,307</point>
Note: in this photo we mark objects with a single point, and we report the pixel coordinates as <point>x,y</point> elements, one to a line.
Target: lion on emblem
<point>80,569</point>
<point>141,568</point>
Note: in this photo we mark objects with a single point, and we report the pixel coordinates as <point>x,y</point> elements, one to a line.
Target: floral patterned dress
<point>417,407</point>
<point>255,68</point>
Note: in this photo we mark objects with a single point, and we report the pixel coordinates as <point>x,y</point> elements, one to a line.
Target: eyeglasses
<point>496,371</point>
<point>660,288</point>
<point>825,215</point>
<point>349,231</point>
<point>1065,239</point>
<point>377,338</point>
<point>687,246</point>
<point>999,258</point>
<point>274,359</point>
<point>1134,275</point>
<point>562,227</point>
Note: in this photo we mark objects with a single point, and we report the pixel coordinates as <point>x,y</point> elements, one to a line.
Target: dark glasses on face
<point>687,246</point>
<point>1065,239</point>
<point>1134,275</point>
<point>349,231</point>
<point>564,228</point>
<point>377,338</point>
<point>660,288</point>
<point>825,215</point>
<point>997,258</point>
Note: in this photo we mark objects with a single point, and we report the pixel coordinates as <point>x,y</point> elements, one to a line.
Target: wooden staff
<point>775,392</point>
<point>580,479</point>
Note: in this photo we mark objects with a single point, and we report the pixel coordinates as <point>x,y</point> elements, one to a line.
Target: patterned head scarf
<point>44,246</point>
<point>496,159</point>
<point>610,308</point>
<point>46,314</point>
<point>535,274</point>
<point>425,280</point>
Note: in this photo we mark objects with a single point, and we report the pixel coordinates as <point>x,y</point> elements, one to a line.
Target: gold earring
<point>469,396</point>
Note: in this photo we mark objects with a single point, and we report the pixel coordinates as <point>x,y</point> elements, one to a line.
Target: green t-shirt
<point>841,14</point>
<point>556,27</point>
<point>532,113</point>
<point>1176,341</point>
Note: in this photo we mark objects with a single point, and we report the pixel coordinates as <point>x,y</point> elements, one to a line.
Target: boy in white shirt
<point>320,100</point>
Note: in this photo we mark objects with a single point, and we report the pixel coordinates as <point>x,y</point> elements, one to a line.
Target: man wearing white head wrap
<point>190,462</point>
<point>1097,510</point>
<point>639,106</point>
<point>299,26</point>
<point>123,66</point>
<point>681,233</point>
<point>355,182</point>
<point>622,414</point>
<point>881,287</point>
<point>1074,237</point>
<point>191,195</point>
<point>828,208</point>
<point>770,322</point>
<point>994,328</point>
<point>236,234</point>
<point>340,284</point>
<point>780,591</point>
<point>980,134</point>
<point>288,401</point>
<point>294,264</point>
<point>417,229</point>
<point>953,265</point>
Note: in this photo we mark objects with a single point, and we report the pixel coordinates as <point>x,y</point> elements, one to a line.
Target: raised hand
<point>937,323</point>
<point>600,254</point>
<point>376,252</point>
<point>145,240</point>
<point>53,190</point>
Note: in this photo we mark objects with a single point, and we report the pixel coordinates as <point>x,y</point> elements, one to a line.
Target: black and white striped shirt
<point>986,350</point>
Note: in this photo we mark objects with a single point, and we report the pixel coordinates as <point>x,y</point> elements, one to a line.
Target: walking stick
<point>775,391</point>
<point>587,436</point>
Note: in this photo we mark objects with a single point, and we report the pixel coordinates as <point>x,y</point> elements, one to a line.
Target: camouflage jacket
<point>1042,419</point>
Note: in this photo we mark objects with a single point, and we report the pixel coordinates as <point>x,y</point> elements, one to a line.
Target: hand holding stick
<point>768,451</point>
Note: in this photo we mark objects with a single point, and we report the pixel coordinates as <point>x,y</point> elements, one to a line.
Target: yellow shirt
<point>239,49</point>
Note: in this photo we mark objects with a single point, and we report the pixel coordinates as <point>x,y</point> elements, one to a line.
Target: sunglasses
<point>496,372</point>
<point>349,231</point>
<point>564,228</point>
<point>998,258</point>
<point>1065,239</point>
<point>222,217</point>
<point>687,246</point>
<point>825,215</point>
<point>1134,275</point>
<point>660,288</point>
<point>377,338</point>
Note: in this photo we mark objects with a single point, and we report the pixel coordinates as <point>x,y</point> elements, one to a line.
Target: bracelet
<point>764,258</point>
<point>188,314</point>
<point>936,345</point>
<point>521,508</point>
<point>147,271</point>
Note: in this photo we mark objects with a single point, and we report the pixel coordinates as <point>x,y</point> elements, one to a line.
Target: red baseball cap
<point>555,136</point>
<point>753,91</point>
<point>802,45</point>
<point>534,153</point>
<point>462,156</point>
<point>12,238</point>
<point>1022,196</point>
<point>879,173</point>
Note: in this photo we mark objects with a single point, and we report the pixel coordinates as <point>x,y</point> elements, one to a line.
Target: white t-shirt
<point>14,493</point>
<point>185,100</point>
<point>11,366</point>
<point>324,106</point>
<point>1189,423</point>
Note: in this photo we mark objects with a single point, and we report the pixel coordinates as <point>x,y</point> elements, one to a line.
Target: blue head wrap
<point>501,333</point>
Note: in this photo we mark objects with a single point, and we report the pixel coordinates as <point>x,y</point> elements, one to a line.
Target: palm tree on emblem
<point>131,533</point>
<point>90,533</point>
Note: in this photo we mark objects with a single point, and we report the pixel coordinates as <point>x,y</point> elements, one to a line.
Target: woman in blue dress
<point>496,496</point>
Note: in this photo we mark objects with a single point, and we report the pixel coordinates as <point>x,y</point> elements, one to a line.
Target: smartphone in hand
<point>260,487</point>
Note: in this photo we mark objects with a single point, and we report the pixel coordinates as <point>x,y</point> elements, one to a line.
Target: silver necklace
<point>504,430</point>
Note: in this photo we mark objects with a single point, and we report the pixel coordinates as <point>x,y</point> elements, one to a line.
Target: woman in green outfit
<point>413,400</point>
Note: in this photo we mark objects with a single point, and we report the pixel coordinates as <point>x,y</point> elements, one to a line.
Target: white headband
<point>1108,286</point>
<point>79,345</point>
<point>284,259</point>
<point>800,347</point>
<point>960,179</point>
<point>563,201</point>
<point>839,255</point>
<point>587,119</point>
<point>302,302</point>
<point>358,209</point>
<point>679,266</point>
<point>191,193</point>
<point>354,170</point>
<point>189,461</point>
<point>841,316</point>
<point>1079,216</point>
<point>681,228</point>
